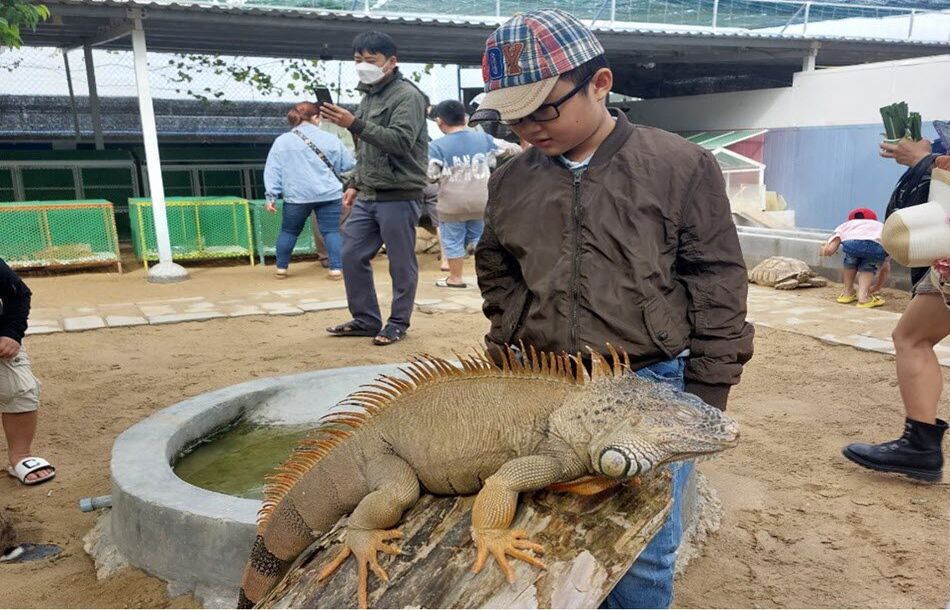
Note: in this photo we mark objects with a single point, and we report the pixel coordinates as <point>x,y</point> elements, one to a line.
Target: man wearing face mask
<point>385,193</point>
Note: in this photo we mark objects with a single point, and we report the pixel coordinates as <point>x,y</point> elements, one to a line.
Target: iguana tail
<point>303,500</point>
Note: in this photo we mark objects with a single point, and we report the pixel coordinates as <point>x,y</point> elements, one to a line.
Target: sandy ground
<point>802,527</point>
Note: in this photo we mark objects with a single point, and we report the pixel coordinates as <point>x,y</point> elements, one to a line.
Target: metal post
<point>72,95</point>
<point>808,64</point>
<point>93,97</point>
<point>165,270</point>
<point>613,11</point>
<point>498,8</point>
<point>715,14</point>
<point>805,24</point>
<point>910,27</point>
<point>365,6</point>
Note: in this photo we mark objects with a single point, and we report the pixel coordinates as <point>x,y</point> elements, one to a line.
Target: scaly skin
<point>475,428</point>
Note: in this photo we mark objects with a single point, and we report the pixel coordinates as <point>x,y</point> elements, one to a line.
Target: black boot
<point>916,454</point>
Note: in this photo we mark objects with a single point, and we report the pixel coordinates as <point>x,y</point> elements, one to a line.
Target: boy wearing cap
<point>860,241</point>
<point>604,231</point>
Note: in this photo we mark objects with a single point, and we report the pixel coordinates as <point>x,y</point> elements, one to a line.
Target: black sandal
<point>389,335</point>
<point>350,329</point>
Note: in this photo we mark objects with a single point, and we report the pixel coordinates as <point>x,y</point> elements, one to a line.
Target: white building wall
<point>849,95</point>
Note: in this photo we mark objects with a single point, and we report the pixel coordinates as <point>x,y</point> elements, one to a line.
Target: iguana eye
<point>615,463</point>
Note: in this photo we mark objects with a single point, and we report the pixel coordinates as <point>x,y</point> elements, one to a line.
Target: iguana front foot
<point>364,544</point>
<point>502,542</point>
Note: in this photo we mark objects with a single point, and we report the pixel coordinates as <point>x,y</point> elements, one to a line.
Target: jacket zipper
<point>576,270</point>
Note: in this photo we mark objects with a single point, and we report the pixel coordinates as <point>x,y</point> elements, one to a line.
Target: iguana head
<point>639,425</point>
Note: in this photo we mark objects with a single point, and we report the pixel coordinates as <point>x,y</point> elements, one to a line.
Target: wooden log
<point>590,542</point>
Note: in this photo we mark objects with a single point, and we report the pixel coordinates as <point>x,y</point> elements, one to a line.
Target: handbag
<point>319,153</point>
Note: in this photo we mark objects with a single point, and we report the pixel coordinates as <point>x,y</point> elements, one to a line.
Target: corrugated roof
<point>648,62</point>
<point>712,140</point>
<point>731,162</point>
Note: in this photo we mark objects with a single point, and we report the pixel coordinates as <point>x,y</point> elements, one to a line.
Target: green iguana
<point>534,422</point>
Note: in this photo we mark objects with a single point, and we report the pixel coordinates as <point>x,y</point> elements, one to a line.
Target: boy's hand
<point>337,115</point>
<point>270,207</point>
<point>9,348</point>
<point>906,152</point>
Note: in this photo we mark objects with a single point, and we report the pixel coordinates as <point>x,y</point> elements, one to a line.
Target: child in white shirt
<point>860,242</point>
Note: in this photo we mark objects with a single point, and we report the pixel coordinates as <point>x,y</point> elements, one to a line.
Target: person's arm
<point>498,272</point>
<point>436,163</point>
<point>15,297</point>
<point>504,148</point>
<point>711,267</point>
<point>408,119</point>
<point>830,246</point>
<point>273,187</point>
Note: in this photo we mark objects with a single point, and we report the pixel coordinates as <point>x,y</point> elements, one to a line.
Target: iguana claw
<point>364,544</point>
<point>501,543</point>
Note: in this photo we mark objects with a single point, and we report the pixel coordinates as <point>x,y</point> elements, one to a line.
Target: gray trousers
<point>370,225</point>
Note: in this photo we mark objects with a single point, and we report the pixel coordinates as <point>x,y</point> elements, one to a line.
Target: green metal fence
<point>199,228</point>
<point>267,228</point>
<point>58,234</point>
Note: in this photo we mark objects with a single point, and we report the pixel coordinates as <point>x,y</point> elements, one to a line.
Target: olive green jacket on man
<point>392,143</point>
<point>637,250</point>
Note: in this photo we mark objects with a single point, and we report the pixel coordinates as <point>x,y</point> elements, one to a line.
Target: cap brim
<point>512,103</point>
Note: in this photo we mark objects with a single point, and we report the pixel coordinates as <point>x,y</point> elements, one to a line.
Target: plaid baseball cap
<point>525,57</point>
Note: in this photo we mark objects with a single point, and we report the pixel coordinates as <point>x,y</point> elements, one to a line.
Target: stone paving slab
<point>80,323</point>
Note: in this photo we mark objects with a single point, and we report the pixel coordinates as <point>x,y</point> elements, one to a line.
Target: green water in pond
<point>236,461</point>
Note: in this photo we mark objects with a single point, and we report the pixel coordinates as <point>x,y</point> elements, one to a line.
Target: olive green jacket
<point>392,144</point>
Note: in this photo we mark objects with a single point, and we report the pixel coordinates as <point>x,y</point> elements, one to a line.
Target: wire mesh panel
<point>267,228</point>
<point>58,234</point>
<point>198,227</point>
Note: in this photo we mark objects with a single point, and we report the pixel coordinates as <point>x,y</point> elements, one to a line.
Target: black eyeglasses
<point>549,112</point>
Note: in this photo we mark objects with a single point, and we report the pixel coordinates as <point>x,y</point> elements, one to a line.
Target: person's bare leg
<point>19,429</point>
<point>443,261</point>
<point>864,284</point>
<point>925,322</point>
<point>882,276</point>
<point>848,279</point>
<point>455,271</point>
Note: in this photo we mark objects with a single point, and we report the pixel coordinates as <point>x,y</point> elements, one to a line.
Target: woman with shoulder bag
<point>304,167</point>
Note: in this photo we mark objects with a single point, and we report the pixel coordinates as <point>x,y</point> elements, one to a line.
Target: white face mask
<point>369,73</point>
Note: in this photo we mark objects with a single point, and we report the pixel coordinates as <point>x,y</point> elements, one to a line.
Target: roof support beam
<point>93,98</point>
<point>166,270</point>
<point>72,96</point>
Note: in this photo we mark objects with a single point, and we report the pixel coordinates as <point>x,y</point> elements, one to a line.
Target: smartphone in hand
<point>323,96</point>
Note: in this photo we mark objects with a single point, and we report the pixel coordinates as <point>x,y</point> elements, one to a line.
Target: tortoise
<point>783,273</point>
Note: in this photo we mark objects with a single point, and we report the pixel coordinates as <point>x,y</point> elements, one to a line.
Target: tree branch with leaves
<point>16,15</point>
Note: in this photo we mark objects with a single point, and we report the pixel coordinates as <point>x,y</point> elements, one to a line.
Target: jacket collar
<point>385,82</point>
<point>620,134</point>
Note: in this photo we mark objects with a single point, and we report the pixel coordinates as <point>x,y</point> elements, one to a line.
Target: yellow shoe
<point>847,299</point>
<point>874,301</point>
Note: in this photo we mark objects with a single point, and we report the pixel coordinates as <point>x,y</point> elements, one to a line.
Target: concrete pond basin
<point>198,540</point>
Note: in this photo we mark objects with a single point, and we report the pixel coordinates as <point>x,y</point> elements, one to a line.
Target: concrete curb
<point>195,539</point>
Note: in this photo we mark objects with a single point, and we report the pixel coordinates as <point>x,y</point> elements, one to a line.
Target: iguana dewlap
<point>455,430</point>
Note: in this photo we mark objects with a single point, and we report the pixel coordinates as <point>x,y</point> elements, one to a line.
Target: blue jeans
<point>649,581</point>
<point>328,221</point>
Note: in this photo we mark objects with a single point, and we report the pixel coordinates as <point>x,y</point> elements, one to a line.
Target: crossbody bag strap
<point>319,153</point>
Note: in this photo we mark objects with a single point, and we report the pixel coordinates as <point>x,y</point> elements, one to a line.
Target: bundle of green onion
<point>899,123</point>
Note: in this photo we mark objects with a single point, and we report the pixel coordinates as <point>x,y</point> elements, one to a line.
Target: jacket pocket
<point>665,332</point>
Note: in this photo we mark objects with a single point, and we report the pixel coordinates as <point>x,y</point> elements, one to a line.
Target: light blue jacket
<point>295,173</point>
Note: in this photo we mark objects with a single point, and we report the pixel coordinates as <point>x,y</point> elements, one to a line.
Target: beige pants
<point>19,388</point>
